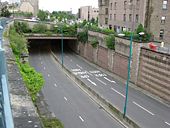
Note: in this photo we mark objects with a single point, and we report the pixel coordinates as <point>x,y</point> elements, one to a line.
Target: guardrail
<point>6,120</point>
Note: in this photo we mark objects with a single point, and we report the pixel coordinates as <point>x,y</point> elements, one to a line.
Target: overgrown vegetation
<point>83,36</point>
<point>110,41</point>
<point>33,80</point>
<point>94,42</point>
<point>52,123</point>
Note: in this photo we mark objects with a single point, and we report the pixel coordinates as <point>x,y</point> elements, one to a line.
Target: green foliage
<point>39,28</point>
<point>33,80</point>
<point>140,28</point>
<point>21,27</point>
<point>61,15</point>
<point>52,123</point>
<point>18,42</point>
<point>107,31</point>
<point>110,41</point>
<point>5,12</point>
<point>42,15</point>
<point>24,14</point>
<point>83,36</point>
<point>94,42</point>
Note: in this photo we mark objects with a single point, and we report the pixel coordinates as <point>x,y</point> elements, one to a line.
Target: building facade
<point>30,6</point>
<point>87,13</point>
<point>122,15</point>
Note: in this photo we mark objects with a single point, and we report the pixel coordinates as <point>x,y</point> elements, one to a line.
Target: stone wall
<point>154,73</point>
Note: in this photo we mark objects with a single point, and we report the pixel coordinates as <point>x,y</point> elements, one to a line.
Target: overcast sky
<point>65,5</point>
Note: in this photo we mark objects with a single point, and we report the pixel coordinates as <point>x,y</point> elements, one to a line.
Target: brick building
<point>123,15</point>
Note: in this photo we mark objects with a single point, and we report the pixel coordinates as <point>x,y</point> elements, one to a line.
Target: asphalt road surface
<point>145,111</point>
<point>69,103</point>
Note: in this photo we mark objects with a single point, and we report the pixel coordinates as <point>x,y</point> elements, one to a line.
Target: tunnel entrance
<point>45,45</point>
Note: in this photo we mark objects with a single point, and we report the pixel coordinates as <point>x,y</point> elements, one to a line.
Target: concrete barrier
<point>108,107</point>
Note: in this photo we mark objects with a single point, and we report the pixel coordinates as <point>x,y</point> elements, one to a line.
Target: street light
<point>129,62</point>
<point>140,35</point>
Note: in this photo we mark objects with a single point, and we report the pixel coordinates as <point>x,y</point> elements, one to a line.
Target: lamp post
<point>129,62</point>
<point>62,51</point>
<point>141,34</point>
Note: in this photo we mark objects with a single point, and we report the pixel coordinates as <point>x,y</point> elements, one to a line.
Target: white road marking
<point>41,62</point>
<point>94,72</point>
<point>44,68</point>
<point>143,108</point>
<point>118,92</point>
<point>81,119</point>
<point>101,81</point>
<point>92,82</point>
<point>55,85</point>
<point>76,70</point>
<point>79,66</point>
<point>167,123</point>
<point>65,98</point>
<point>109,80</point>
<point>48,75</point>
<point>84,76</point>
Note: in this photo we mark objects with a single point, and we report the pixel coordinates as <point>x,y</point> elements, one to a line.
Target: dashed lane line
<point>143,108</point>
<point>167,123</point>
<point>48,75</point>
<point>55,85</point>
<point>81,118</point>
<point>44,68</point>
<point>118,92</point>
<point>101,81</point>
<point>109,80</point>
<point>92,82</point>
<point>65,98</point>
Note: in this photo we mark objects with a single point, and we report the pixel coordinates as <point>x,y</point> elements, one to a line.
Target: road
<point>145,111</point>
<point>69,103</point>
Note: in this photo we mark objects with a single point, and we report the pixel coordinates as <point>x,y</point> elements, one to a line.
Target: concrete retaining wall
<point>154,73</point>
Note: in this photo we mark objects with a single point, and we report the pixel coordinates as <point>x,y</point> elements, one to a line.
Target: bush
<point>110,41</point>
<point>94,42</point>
<point>21,27</point>
<point>107,31</point>
<point>39,28</point>
<point>83,36</point>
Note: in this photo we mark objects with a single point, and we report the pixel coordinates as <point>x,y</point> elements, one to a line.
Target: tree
<point>5,12</point>
<point>140,29</point>
<point>42,15</point>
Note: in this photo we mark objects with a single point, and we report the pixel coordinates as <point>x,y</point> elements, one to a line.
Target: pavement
<point>145,111</point>
<point>65,99</point>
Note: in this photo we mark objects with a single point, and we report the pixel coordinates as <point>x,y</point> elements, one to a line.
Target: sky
<point>64,5</point>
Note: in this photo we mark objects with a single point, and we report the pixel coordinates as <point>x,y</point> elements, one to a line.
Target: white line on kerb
<point>109,80</point>
<point>143,108</point>
<point>118,92</point>
<point>79,66</point>
<point>65,98</point>
<point>81,118</point>
<point>167,123</point>
<point>92,82</point>
<point>101,81</point>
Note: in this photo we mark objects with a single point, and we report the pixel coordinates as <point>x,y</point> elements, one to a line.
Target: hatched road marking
<point>65,98</point>
<point>81,119</point>
<point>167,123</point>
<point>79,66</point>
<point>101,81</point>
<point>92,82</point>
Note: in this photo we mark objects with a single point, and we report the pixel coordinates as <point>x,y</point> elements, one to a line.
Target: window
<point>161,34</point>
<point>130,17</point>
<point>106,21</point>
<point>125,5</point>
<point>165,2</point>
<point>114,17</point>
<point>137,18</point>
<point>163,19</point>
<point>137,2</point>
<point>124,17</point>
<point>110,16</point>
<point>115,5</point>
<point>106,11</point>
<point>110,6</point>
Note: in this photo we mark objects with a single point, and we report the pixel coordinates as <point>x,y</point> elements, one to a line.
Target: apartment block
<point>87,13</point>
<point>30,6</point>
<point>122,15</point>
